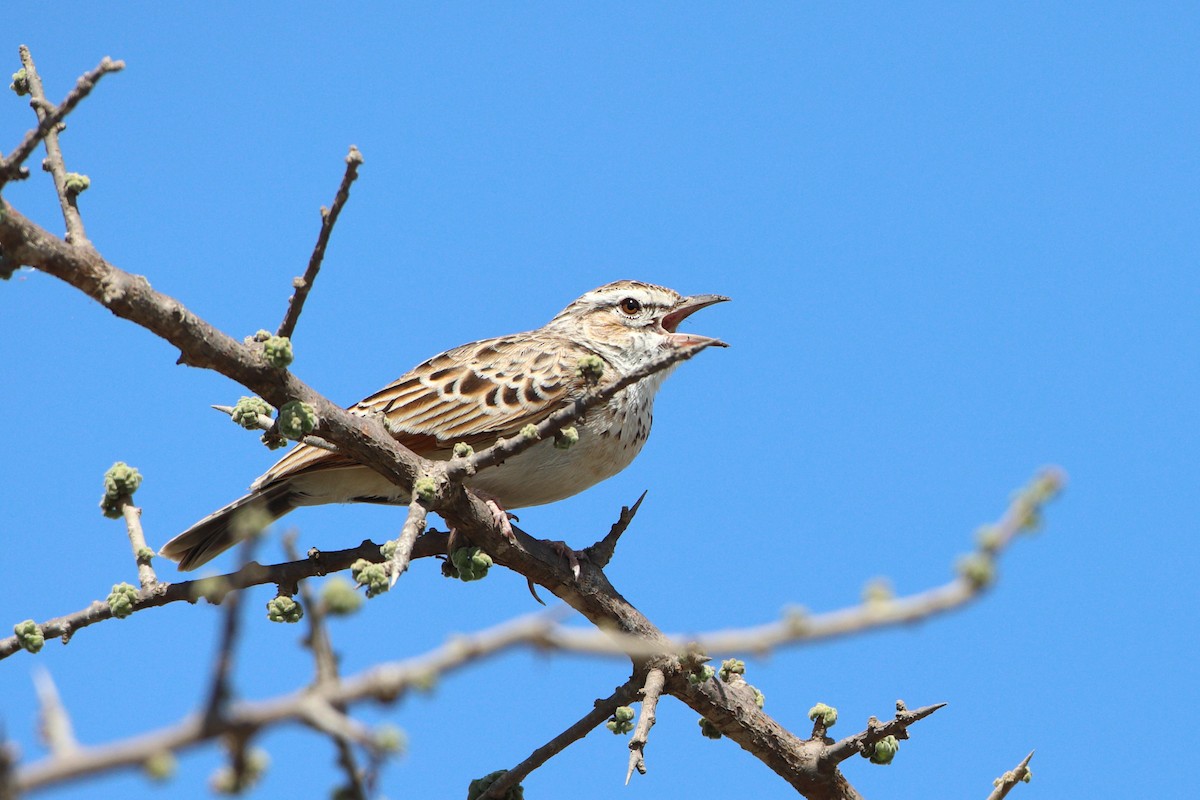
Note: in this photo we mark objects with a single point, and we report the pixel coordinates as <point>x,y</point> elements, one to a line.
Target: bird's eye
<point>631,306</point>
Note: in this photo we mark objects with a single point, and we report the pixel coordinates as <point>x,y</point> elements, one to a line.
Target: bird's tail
<point>225,527</point>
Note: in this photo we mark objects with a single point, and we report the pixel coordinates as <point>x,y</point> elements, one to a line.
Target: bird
<point>482,391</point>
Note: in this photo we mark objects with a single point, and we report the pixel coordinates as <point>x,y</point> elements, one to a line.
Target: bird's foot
<point>501,518</point>
<point>572,557</point>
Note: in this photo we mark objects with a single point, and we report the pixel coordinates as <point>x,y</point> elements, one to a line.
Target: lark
<point>485,390</point>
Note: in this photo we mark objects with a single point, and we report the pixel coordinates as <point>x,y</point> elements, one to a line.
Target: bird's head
<point>629,321</point>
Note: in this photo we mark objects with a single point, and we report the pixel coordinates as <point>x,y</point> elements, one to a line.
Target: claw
<point>500,517</point>
<point>572,558</point>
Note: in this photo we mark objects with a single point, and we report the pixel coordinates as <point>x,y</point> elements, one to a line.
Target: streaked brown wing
<point>475,394</point>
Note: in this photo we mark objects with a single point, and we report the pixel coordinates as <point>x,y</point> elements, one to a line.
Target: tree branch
<point>653,689</point>
<point>54,163</point>
<point>1006,782</point>
<point>587,723</point>
<point>382,683</point>
<point>10,167</point>
<point>329,218</point>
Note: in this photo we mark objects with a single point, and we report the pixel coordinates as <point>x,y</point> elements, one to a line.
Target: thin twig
<point>55,722</point>
<point>54,158</point>
<point>265,423</point>
<point>1006,782</point>
<point>329,218</point>
<point>836,753</point>
<point>602,551</point>
<point>137,540</point>
<point>414,526</point>
<point>10,167</point>
<point>655,681</point>
<point>587,723</point>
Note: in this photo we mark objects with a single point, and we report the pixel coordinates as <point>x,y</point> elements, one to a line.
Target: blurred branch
<point>382,683</point>
<point>329,218</point>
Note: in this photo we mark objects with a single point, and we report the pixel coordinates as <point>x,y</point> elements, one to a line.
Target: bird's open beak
<point>688,306</point>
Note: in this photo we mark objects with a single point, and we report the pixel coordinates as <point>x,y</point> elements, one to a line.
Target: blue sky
<point>961,242</point>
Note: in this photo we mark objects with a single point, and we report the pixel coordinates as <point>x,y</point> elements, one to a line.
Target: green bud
<point>339,598</point>
<point>425,488</point>
<point>760,699</point>
<point>701,675</point>
<point>468,564</point>
<point>277,350</point>
<point>885,750</point>
<point>160,766</point>
<point>977,570</point>
<point>248,410</point>
<point>76,183</point>
<point>273,441</point>
<point>623,714</point>
<point>590,368</point>
<point>708,729</point>
<point>284,609</point>
<point>389,739</point>
<point>827,714</point>
<point>296,419</point>
<point>373,576</point>
<point>145,555</point>
<point>618,726</point>
<point>463,450</point>
<point>120,600</point>
<point>529,431</point>
<point>20,82</point>
<point>29,636</point>
<point>731,667</point>
<point>796,619</point>
<point>479,787</point>
<point>878,591</point>
<point>988,538</point>
<point>566,437</point>
<point>226,781</point>
<point>120,482</point>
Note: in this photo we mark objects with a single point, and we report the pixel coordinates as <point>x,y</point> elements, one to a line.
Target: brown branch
<point>587,723</point>
<point>329,218</point>
<point>216,588</point>
<point>1006,782</point>
<point>864,742</point>
<point>54,163</point>
<point>655,681</point>
<point>602,551</point>
<point>10,167</point>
